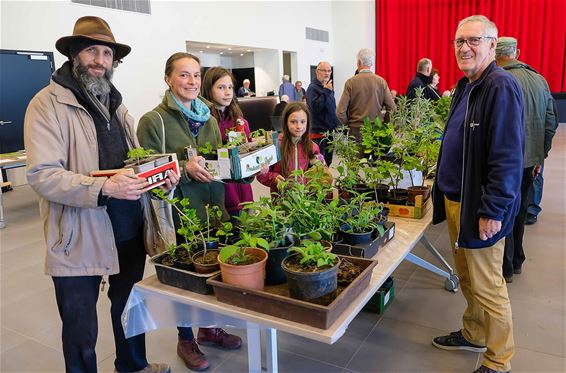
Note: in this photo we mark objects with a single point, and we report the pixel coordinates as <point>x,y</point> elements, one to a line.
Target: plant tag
<point>391,232</point>
<point>386,298</point>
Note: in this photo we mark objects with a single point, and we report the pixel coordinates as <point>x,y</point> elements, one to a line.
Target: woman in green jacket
<point>183,119</point>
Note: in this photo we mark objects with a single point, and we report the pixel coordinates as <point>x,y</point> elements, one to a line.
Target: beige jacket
<point>61,145</point>
<point>364,95</point>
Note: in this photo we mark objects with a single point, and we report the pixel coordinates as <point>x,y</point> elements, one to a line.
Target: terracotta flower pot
<point>249,276</point>
<point>206,267</point>
<point>415,191</point>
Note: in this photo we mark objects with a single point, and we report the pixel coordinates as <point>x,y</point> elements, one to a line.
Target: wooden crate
<point>417,211</point>
<point>275,300</point>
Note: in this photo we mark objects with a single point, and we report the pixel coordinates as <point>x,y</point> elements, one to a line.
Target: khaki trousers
<point>487,320</point>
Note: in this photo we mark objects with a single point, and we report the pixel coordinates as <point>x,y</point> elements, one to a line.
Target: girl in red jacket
<point>297,149</point>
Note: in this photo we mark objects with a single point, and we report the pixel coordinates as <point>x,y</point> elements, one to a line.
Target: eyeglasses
<point>324,71</point>
<point>472,42</point>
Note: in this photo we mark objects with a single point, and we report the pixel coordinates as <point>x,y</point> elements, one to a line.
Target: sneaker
<point>218,338</point>
<point>154,368</point>
<point>191,355</point>
<point>518,271</point>
<point>484,369</point>
<point>456,341</point>
<point>508,279</point>
<point>531,219</point>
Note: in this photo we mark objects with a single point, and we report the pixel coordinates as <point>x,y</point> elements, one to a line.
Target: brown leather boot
<point>219,338</point>
<point>189,352</point>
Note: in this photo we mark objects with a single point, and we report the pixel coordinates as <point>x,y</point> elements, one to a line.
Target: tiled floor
<point>398,341</point>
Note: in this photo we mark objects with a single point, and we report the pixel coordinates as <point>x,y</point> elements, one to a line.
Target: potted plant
<point>243,263</point>
<point>360,220</point>
<point>348,151</point>
<point>268,220</point>
<point>193,233</point>
<point>312,273</point>
<point>206,260</point>
<point>142,160</point>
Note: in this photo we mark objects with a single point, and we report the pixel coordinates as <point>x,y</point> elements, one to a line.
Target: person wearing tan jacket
<point>365,95</point>
<point>94,226</point>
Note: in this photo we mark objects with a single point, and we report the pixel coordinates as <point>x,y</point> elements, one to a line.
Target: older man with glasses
<point>322,104</point>
<point>477,191</point>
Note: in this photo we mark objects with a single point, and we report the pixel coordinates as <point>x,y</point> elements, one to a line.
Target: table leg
<point>271,350</point>
<point>254,349</point>
<point>452,282</point>
<point>2,224</point>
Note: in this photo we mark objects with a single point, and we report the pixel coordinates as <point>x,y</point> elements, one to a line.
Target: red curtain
<point>408,30</point>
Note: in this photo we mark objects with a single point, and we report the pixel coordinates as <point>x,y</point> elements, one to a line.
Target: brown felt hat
<point>92,29</point>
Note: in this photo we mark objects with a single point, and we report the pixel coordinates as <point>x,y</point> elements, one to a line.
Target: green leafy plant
<point>266,219</point>
<point>313,253</point>
<point>136,155</point>
<point>304,202</point>
<point>206,149</point>
<point>191,228</point>
<point>363,216</point>
<point>236,253</point>
<point>349,154</point>
<point>377,137</point>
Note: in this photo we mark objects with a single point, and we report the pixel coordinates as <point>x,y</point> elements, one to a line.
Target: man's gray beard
<point>97,85</point>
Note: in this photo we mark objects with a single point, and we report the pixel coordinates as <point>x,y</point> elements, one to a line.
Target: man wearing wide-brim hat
<point>94,226</point>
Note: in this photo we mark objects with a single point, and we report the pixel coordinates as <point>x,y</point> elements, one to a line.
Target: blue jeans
<point>536,197</point>
<point>76,300</point>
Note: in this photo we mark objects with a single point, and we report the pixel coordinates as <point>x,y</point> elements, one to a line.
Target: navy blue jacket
<point>494,141</point>
<point>322,105</point>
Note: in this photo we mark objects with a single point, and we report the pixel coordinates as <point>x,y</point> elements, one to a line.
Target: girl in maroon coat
<point>218,88</point>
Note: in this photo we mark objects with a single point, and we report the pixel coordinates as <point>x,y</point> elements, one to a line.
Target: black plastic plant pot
<point>384,214</point>
<point>274,274</point>
<point>382,193</point>
<point>352,238</point>
<point>315,287</point>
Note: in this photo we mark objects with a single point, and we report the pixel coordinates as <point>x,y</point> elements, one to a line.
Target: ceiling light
<point>229,49</point>
<point>208,47</point>
<point>249,50</point>
<point>221,52</point>
<point>201,51</point>
<point>241,54</point>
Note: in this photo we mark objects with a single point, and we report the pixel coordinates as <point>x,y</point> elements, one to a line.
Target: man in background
<point>364,96</point>
<point>540,126</point>
<point>300,93</point>
<point>245,91</point>
<point>322,105</point>
<point>287,88</point>
<point>421,80</point>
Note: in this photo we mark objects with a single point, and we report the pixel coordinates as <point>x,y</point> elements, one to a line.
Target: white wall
<point>267,71</point>
<point>354,28</point>
<point>36,25</point>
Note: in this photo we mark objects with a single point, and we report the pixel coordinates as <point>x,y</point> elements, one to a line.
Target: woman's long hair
<point>287,143</point>
<point>232,111</point>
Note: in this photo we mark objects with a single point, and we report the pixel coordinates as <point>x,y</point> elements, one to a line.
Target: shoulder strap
<point>162,132</point>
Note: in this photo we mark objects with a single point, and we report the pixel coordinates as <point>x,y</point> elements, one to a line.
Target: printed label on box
<point>386,298</point>
<point>252,163</point>
<point>157,176</point>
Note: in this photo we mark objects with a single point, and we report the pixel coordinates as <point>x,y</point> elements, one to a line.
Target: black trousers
<point>514,255</point>
<point>76,300</point>
<point>323,146</point>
